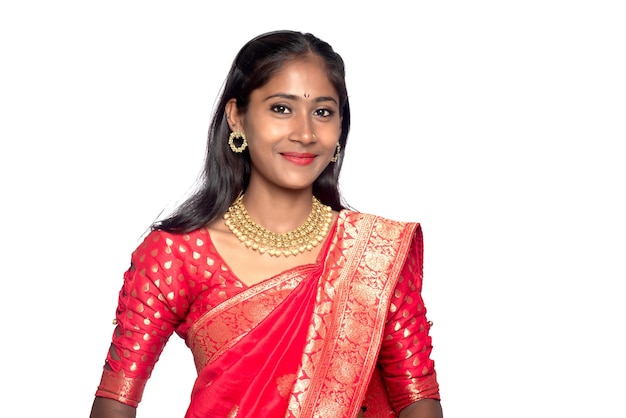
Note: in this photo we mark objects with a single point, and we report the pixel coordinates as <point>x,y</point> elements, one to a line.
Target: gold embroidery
<point>376,261</point>
<point>125,389</point>
<point>221,327</point>
<point>284,384</point>
<point>364,276</point>
<point>233,412</point>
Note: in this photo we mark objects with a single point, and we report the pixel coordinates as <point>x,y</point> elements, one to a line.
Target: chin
<point>298,185</point>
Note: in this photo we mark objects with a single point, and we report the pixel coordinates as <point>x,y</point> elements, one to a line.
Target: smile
<point>299,158</point>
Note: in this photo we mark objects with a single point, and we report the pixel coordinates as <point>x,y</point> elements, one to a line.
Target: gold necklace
<point>254,236</point>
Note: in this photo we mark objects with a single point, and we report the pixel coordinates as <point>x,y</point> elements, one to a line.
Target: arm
<point>145,319</point>
<point>425,408</point>
<point>407,369</point>
<point>109,408</point>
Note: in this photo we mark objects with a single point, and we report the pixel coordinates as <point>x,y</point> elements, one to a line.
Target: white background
<point>500,126</point>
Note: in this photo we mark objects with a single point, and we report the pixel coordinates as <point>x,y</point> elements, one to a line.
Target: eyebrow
<point>296,97</point>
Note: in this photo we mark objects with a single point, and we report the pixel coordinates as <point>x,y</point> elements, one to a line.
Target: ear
<point>233,116</point>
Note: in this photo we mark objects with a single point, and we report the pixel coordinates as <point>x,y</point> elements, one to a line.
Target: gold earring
<point>336,156</point>
<point>237,135</point>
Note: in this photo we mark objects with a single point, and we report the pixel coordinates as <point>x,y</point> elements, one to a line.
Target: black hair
<point>226,174</point>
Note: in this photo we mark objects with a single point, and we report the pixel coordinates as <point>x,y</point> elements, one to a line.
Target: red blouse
<point>174,279</point>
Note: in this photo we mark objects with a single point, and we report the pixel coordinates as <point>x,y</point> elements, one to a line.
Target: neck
<point>278,212</point>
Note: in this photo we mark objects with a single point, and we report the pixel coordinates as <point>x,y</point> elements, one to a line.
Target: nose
<point>302,130</point>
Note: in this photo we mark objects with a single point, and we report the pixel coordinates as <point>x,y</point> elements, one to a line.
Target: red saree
<point>329,339</point>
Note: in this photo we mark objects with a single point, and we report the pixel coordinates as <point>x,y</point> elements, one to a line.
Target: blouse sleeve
<point>147,314</point>
<point>406,367</point>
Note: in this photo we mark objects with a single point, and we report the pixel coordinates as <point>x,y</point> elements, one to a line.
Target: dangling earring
<point>237,135</point>
<point>336,156</point>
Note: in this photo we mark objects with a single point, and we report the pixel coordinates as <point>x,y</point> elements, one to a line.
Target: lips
<point>298,157</point>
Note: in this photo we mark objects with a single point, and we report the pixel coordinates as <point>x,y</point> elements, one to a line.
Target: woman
<point>292,304</point>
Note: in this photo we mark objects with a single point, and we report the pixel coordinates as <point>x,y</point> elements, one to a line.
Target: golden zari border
<point>227,323</point>
<point>345,333</point>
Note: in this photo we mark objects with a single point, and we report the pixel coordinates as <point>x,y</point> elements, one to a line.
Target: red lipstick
<point>298,157</point>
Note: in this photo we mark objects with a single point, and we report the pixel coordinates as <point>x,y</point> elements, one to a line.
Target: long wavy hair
<point>226,174</point>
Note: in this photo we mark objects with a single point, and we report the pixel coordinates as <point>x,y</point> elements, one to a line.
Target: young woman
<point>292,304</point>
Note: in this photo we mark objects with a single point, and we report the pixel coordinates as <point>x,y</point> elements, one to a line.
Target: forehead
<point>302,75</point>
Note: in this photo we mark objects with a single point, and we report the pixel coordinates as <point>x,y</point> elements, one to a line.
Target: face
<point>292,126</point>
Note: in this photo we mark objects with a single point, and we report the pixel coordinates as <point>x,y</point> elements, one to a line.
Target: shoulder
<point>381,223</point>
<point>163,242</point>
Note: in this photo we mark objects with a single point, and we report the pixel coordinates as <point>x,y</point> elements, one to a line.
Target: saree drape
<point>305,343</point>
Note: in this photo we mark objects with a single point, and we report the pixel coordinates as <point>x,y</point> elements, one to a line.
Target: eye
<point>280,109</point>
<point>325,113</point>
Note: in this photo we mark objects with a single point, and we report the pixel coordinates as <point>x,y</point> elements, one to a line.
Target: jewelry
<point>254,236</point>
<point>336,156</point>
<point>237,135</point>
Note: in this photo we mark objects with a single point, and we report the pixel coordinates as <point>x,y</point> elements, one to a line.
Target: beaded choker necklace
<point>254,236</point>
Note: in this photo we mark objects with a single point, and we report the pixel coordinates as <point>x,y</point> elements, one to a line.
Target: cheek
<point>337,128</point>
<point>332,133</point>
<point>265,133</point>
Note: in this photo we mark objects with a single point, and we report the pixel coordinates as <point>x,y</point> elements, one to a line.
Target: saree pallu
<point>306,343</point>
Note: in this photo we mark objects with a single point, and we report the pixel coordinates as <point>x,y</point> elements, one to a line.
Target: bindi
<point>307,95</point>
